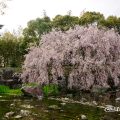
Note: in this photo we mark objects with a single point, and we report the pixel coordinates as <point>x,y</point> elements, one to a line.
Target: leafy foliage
<point>10,51</point>
<point>112,22</point>
<point>90,18</point>
<point>64,22</point>
<point>50,89</point>
<point>36,28</point>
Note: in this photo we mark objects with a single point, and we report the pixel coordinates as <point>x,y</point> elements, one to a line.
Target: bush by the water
<point>82,58</point>
<point>50,89</point>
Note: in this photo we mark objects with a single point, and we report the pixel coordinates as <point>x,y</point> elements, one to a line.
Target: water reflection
<point>40,110</point>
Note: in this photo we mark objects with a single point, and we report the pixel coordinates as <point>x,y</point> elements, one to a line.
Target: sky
<point>19,12</point>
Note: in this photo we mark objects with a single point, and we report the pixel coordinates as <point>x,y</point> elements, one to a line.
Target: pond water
<point>40,110</point>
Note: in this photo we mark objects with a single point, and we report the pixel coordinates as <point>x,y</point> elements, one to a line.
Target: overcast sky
<point>19,12</point>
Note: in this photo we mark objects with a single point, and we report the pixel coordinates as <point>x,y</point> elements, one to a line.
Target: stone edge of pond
<point>67,100</point>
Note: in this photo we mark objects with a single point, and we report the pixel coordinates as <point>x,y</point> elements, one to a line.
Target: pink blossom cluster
<point>92,54</point>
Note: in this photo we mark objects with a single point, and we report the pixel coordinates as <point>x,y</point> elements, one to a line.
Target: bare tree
<point>3,6</point>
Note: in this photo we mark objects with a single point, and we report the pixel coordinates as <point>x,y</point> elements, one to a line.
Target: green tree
<point>35,28</point>
<point>90,18</point>
<point>64,22</point>
<point>111,22</point>
<point>10,54</point>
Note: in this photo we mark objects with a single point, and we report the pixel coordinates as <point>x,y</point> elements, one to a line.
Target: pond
<point>32,109</point>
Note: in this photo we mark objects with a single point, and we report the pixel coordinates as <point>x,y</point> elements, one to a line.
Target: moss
<point>32,84</point>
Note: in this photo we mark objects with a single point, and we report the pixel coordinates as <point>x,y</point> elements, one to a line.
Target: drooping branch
<point>79,58</point>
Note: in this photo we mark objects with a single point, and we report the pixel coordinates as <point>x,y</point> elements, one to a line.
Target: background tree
<point>111,22</point>
<point>10,52</point>
<point>35,28</point>
<point>90,18</point>
<point>64,22</point>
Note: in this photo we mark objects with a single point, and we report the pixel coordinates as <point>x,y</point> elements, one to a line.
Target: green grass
<point>6,90</point>
<point>50,90</point>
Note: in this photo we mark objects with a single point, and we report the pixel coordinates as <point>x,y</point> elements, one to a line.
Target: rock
<point>117,99</point>
<point>94,103</point>
<point>27,106</point>
<point>9,78</point>
<point>61,110</point>
<point>12,105</point>
<point>84,100</point>
<point>46,111</point>
<point>34,114</point>
<point>69,95</point>
<point>109,106</point>
<point>63,104</point>
<point>65,99</point>
<point>102,107</point>
<point>33,91</point>
<point>40,97</point>
<point>18,117</point>
<point>100,96</point>
<point>7,73</point>
<point>24,113</point>
<point>55,107</point>
<point>83,117</point>
<point>9,114</point>
<point>87,103</point>
<point>11,83</point>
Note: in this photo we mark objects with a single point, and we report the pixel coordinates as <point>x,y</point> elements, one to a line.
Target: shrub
<point>50,90</point>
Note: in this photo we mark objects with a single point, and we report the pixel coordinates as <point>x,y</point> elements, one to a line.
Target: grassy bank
<point>7,90</point>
